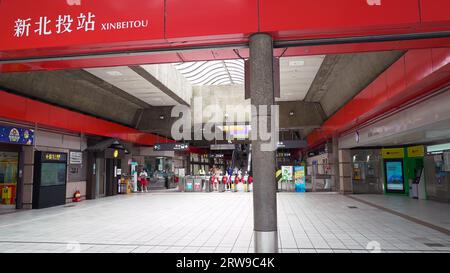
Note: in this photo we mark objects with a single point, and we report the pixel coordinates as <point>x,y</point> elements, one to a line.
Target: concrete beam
<point>156,120</point>
<point>304,115</point>
<point>62,88</point>
<point>167,79</point>
<point>84,75</point>
<point>343,76</point>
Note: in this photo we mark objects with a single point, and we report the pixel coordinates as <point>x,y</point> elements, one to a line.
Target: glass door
<point>9,162</point>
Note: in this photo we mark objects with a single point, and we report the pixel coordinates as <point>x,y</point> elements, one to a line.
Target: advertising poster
<point>300,179</point>
<point>394,175</point>
<point>287,173</point>
<point>16,135</point>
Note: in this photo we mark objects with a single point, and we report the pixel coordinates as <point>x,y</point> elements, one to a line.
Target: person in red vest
<point>225,181</point>
<point>212,179</point>
<point>250,179</point>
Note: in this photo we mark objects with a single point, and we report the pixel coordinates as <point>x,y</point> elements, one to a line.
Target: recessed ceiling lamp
<point>296,63</point>
<point>114,73</point>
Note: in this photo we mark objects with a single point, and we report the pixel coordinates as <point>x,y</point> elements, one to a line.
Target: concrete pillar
<point>263,162</point>
<point>345,172</point>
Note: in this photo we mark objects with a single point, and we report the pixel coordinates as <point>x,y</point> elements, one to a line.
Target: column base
<point>266,242</point>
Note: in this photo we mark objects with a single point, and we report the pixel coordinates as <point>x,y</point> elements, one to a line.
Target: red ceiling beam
<point>27,110</point>
<point>177,24</point>
<point>416,74</point>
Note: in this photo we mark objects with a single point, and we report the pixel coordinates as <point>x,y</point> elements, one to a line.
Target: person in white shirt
<point>143,178</point>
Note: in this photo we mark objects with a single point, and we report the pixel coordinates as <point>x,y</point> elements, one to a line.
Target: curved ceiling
<point>213,72</point>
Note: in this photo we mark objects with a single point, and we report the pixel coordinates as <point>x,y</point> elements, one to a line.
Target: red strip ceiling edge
<point>27,110</point>
<point>416,74</point>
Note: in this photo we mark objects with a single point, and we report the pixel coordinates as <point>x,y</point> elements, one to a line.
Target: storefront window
<point>8,167</point>
<point>8,177</point>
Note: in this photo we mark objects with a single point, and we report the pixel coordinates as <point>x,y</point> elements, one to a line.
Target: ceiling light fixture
<point>114,73</point>
<point>296,63</point>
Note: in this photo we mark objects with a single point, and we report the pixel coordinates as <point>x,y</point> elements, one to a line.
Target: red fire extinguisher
<point>76,196</point>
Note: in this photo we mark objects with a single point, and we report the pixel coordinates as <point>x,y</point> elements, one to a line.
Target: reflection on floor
<point>214,222</point>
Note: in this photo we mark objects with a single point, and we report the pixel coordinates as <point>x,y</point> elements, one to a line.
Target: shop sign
<point>76,158</point>
<point>390,153</point>
<point>15,135</point>
<point>416,151</point>
<point>49,156</point>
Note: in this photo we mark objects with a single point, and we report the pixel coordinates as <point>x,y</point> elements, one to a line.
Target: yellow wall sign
<point>49,156</point>
<point>391,153</point>
<point>416,151</point>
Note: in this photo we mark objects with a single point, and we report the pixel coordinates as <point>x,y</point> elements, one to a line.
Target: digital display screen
<point>394,175</point>
<point>53,174</point>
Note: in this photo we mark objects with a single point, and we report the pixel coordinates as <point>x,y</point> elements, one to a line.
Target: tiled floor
<point>435,213</point>
<point>200,222</point>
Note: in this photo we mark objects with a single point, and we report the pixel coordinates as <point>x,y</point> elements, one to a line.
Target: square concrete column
<point>263,161</point>
<point>345,172</point>
<point>335,163</point>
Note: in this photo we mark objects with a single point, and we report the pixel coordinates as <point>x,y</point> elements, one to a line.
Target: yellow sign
<point>6,195</point>
<point>53,156</point>
<point>116,153</point>
<point>391,153</point>
<point>416,151</point>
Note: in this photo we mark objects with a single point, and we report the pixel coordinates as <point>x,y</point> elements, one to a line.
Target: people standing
<point>143,179</point>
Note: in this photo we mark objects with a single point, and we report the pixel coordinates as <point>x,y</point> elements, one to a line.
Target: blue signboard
<point>15,135</point>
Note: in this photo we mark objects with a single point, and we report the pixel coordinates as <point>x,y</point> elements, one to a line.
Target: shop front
<point>108,161</point>
<point>404,171</point>
<point>12,139</point>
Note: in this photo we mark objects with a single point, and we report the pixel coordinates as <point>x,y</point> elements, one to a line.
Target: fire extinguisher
<point>77,196</point>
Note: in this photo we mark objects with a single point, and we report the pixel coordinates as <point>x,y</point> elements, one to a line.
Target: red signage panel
<point>304,17</point>
<point>76,23</point>
<point>191,19</point>
<point>435,10</point>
